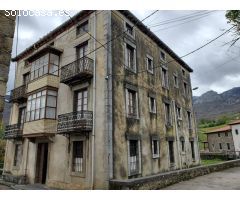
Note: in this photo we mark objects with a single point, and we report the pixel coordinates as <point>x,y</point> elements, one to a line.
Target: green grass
<point>210,162</point>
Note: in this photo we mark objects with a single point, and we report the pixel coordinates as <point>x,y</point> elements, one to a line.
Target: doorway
<point>42,163</point>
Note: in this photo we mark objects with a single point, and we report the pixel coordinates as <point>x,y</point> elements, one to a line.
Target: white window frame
<point>165,114</point>
<point>125,29</point>
<point>150,107</point>
<point>148,57</point>
<point>139,158</point>
<point>164,84</point>
<point>176,84</point>
<point>126,103</point>
<point>158,148</point>
<point>179,114</point>
<point>163,59</point>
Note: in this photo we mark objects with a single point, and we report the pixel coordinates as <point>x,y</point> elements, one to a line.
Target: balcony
<point>77,71</point>
<point>80,121</point>
<point>19,94</point>
<point>13,131</point>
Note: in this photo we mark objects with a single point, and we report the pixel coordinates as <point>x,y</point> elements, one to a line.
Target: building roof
<point>235,122</point>
<point>81,15</point>
<point>222,129</point>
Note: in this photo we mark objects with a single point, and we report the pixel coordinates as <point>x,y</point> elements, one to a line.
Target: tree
<point>233,17</point>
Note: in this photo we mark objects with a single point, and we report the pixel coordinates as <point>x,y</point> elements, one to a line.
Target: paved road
<point>228,179</point>
<point>3,187</point>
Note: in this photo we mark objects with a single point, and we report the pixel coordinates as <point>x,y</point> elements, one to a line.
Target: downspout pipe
<point>94,103</point>
<point>177,135</point>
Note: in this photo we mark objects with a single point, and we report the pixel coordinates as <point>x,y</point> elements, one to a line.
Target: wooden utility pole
<point>7,26</point>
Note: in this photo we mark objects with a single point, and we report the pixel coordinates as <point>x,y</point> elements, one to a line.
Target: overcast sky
<point>216,66</point>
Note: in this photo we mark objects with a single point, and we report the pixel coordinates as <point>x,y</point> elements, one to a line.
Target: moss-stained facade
<point>125,113</point>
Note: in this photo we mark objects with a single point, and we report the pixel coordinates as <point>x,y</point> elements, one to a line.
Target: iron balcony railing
<point>19,93</point>
<point>78,70</point>
<point>75,122</point>
<point>13,131</point>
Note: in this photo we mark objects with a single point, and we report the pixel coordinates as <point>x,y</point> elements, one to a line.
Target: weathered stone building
<point>225,139</point>
<point>7,25</point>
<point>85,114</point>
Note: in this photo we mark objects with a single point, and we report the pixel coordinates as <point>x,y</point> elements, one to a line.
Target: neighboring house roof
<point>76,18</point>
<point>235,122</point>
<point>222,129</point>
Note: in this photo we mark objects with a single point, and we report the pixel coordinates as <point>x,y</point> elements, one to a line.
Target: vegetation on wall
<point>2,144</point>
<point>233,17</point>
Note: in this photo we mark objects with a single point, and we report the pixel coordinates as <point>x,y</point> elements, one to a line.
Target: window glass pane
<point>43,101</point>
<point>45,59</point>
<point>54,59</point>
<point>38,103</point>
<point>44,92</point>
<point>52,93</point>
<point>37,114</point>
<point>42,113</point>
<point>50,113</point>
<point>53,69</point>
<point>28,116</point>
<point>32,114</point>
<point>45,69</point>
<point>51,101</point>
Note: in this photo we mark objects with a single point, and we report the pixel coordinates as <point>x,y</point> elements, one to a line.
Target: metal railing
<point>82,66</point>
<point>75,121</point>
<point>13,131</point>
<point>19,93</point>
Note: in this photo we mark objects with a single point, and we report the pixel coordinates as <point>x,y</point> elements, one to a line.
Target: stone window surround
<point>17,167</point>
<point>152,95</point>
<point>167,101</point>
<point>125,28</point>
<point>127,42</point>
<point>176,83</point>
<point>83,173</point>
<point>133,88</point>
<point>138,138</point>
<point>148,57</point>
<point>155,138</point>
<point>80,24</point>
<point>166,83</point>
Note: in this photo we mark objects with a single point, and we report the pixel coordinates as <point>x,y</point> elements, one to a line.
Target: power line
<point>181,23</point>
<point>175,18</point>
<point>183,19</point>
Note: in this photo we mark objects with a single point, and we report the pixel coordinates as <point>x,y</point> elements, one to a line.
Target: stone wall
<point>7,25</point>
<point>165,179</point>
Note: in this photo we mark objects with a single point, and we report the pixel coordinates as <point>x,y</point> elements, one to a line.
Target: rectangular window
<point>163,56</point>
<point>167,114</point>
<point>129,29</point>
<point>171,152</point>
<point>149,62</point>
<point>81,100</point>
<point>47,64</point>
<point>183,145</point>
<point>21,115</point>
<point>179,112</point>
<point>220,145</point>
<point>42,105</point>
<point>130,57</point>
<point>219,135</point>
<point>226,134</point>
<point>175,80</point>
<point>155,148</point>
<point>82,50</point>
<point>193,150</point>
<point>134,162</point>
<point>26,78</point>
<point>189,116</point>
<point>82,28</point>
<point>228,146</point>
<point>236,131</point>
<point>17,155</point>
<point>132,105</point>
<point>183,72</point>
<point>164,77</point>
<point>152,105</point>
<point>185,89</point>
<point>77,157</point>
